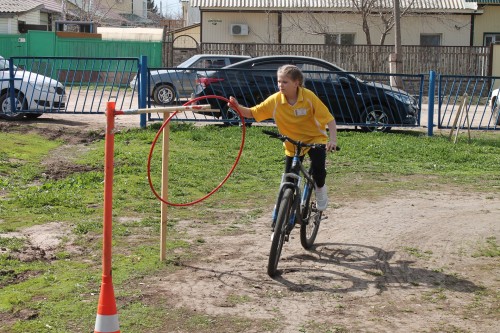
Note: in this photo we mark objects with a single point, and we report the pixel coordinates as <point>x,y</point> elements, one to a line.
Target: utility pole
<point>395,59</point>
<point>63,10</point>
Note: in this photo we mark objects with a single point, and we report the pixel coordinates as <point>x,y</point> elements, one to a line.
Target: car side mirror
<point>344,82</point>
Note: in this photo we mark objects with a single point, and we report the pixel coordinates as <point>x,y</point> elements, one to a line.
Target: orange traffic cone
<point>107,317</point>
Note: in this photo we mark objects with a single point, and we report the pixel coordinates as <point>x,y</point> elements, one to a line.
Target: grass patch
<point>417,253</point>
<point>61,295</point>
<point>489,249</point>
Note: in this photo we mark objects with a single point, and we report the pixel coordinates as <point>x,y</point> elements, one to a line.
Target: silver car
<point>33,92</point>
<point>167,86</point>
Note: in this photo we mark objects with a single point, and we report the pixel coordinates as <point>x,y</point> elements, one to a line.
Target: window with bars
<point>339,39</point>
<point>491,38</point>
<point>430,39</point>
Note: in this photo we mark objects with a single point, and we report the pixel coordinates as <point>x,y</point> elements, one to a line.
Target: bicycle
<point>295,204</point>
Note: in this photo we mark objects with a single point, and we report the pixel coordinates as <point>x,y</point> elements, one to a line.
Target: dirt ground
<point>401,263</point>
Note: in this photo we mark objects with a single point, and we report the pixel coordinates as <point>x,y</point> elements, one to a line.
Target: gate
<point>179,49</point>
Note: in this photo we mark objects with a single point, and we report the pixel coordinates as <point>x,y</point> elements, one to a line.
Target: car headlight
<point>43,86</point>
<point>403,98</point>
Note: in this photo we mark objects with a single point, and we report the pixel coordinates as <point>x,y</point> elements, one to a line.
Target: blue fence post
<point>430,119</point>
<point>143,84</point>
<point>11,87</point>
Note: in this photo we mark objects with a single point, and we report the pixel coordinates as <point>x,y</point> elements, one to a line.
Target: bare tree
<point>98,10</point>
<point>369,10</point>
<point>88,10</point>
<point>366,9</point>
<point>375,8</point>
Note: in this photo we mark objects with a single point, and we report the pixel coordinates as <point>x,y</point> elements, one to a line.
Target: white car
<point>494,98</point>
<point>33,93</point>
<point>495,103</point>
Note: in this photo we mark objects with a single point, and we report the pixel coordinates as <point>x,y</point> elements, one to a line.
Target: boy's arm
<point>246,112</point>
<point>332,129</point>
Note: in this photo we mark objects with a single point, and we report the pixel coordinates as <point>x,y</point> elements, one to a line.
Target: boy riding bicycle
<point>302,116</point>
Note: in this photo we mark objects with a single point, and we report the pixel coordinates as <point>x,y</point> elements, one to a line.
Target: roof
<point>50,5</point>
<point>136,33</point>
<point>17,6</point>
<point>485,2</point>
<point>333,5</point>
<point>193,26</point>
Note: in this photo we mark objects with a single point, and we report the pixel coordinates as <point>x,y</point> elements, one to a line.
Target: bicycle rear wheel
<point>280,230</point>
<point>311,219</point>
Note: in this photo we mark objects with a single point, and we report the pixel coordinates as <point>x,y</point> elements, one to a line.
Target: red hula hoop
<point>153,144</point>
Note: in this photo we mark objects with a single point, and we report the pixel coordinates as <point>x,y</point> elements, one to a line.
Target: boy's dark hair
<point>293,72</point>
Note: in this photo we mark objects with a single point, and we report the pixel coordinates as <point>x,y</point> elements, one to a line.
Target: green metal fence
<point>48,44</point>
<point>13,46</point>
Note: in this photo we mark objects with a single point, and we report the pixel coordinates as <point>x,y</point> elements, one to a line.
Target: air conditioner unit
<point>239,29</point>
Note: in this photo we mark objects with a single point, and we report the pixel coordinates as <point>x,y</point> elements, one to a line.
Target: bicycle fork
<point>295,185</point>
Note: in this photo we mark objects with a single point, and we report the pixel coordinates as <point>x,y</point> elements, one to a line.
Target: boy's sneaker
<point>321,198</point>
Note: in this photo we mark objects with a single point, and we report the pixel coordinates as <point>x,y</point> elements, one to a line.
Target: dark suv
<point>352,101</point>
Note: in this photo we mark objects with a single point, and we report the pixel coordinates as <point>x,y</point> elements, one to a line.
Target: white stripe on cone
<point>106,324</point>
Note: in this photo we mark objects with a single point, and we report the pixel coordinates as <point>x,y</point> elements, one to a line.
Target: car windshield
<point>186,64</point>
<point>203,62</point>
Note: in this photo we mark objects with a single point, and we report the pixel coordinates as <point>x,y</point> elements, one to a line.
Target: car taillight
<point>206,81</point>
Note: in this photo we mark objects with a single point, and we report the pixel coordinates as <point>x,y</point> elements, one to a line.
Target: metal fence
<point>32,86</point>
<point>468,102</point>
<point>50,44</point>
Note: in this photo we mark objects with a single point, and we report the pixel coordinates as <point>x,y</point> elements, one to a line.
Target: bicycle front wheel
<point>279,233</point>
<point>311,218</point>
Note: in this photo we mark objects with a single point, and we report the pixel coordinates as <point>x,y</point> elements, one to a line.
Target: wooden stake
<point>164,188</point>
<point>457,116</point>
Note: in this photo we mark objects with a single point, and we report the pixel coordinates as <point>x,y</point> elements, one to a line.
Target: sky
<point>168,6</point>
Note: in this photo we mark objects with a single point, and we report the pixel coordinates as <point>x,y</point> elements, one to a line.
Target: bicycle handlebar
<point>282,137</point>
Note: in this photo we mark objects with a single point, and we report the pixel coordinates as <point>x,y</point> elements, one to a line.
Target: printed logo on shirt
<point>300,112</point>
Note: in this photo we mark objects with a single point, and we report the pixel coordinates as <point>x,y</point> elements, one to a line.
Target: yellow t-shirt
<point>305,121</point>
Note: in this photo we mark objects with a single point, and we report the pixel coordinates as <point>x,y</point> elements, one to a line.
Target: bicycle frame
<point>297,170</point>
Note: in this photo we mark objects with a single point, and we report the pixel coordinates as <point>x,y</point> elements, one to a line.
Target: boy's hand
<point>234,101</point>
<point>331,146</point>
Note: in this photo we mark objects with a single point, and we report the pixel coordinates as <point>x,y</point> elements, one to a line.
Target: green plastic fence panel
<point>41,43</point>
<point>47,44</point>
<point>95,48</point>
<point>13,45</point>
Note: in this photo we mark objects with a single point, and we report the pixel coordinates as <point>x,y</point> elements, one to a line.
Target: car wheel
<point>230,116</point>
<point>5,107</point>
<point>493,102</point>
<point>164,94</point>
<point>377,116</point>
